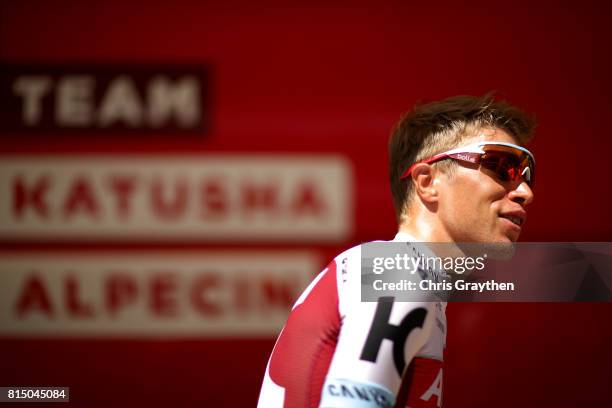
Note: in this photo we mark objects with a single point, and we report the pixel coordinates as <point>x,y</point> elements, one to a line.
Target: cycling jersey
<point>337,351</point>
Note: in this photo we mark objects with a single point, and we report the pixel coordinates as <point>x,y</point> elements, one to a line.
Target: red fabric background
<point>309,77</point>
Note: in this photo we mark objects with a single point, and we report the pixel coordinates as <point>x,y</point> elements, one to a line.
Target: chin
<point>512,238</point>
<point>505,235</point>
<point>500,249</point>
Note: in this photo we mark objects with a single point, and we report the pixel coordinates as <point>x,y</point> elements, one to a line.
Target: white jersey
<point>337,351</point>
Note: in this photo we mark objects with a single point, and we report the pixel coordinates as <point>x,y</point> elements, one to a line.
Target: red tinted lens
<point>506,166</point>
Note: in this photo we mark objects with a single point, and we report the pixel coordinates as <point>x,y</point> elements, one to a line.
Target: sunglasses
<point>507,161</point>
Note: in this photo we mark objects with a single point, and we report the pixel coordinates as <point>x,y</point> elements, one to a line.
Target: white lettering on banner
<point>160,294</point>
<point>121,104</point>
<point>221,197</point>
<point>32,89</point>
<point>167,98</point>
<point>164,99</point>
<point>73,101</point>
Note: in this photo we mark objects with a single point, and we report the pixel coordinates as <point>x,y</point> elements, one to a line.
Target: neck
<point>424,226</point>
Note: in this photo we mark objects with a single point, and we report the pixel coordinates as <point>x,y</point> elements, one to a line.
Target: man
<point>458,173</point>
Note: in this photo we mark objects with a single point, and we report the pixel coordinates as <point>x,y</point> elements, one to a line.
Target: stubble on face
<point>471,200</point>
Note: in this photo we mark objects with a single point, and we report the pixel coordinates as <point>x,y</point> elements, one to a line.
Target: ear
<point>424,182</point>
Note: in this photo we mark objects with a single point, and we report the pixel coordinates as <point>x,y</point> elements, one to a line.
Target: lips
<point>516,217</point>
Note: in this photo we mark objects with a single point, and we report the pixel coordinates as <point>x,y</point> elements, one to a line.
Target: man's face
<point>475,206</point>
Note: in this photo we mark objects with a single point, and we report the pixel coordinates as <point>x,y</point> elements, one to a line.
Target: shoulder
<point>353,254</point>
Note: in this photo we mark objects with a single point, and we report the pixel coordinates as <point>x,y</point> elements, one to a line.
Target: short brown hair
<point>434,127</point>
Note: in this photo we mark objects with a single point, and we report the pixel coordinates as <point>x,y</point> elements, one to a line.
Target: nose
<point>522,194</point>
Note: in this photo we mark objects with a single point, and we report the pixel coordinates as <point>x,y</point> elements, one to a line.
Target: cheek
<point>457,207</point>
<point>472,199</point>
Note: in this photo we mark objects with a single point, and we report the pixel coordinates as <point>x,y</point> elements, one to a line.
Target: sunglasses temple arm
<point>437,158</point>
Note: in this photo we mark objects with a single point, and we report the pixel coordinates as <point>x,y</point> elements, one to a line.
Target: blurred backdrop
<point>172,174</point>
